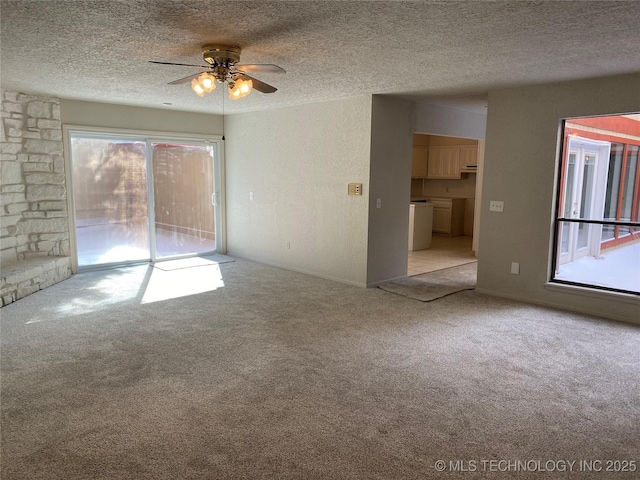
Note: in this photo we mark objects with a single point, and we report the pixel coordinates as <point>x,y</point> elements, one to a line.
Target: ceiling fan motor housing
<point>216,54</point>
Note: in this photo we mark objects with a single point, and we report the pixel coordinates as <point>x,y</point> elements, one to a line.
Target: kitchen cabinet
<point>419,162</point>
<point>468,158</point>
<point>448,216</point>
<point>443,162</point>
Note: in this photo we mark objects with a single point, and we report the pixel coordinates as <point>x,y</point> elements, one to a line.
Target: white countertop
<point>440,197</point>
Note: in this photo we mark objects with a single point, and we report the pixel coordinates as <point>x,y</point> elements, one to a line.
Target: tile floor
<point>445,252</point>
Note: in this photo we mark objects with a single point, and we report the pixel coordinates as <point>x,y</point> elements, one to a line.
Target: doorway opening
<point>142,199</point>
<point>443,198</point>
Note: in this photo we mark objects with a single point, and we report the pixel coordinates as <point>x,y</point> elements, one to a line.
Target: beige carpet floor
<point>270,374</point>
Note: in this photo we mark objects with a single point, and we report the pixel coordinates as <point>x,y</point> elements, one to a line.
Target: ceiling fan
<point>223,67</point>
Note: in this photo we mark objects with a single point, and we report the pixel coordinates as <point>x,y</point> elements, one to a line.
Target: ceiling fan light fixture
<point>246,87</point>
<point>196,87</point>
<point>207,82</point>
<point>223,67</point>
<point>240,88</point>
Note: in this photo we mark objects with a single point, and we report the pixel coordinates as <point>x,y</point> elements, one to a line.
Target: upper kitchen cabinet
<point>443,162</point>
<point>438,157</point>
<point>419,162</point>
<point>468,158</point>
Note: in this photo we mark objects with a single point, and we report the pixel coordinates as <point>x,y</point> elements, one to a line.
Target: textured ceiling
<point>428,50</point>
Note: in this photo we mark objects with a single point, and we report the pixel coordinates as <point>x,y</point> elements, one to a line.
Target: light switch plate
<point>355,189</point>
<point>496,206</point>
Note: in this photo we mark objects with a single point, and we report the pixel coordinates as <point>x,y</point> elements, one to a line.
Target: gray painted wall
<point>520,169</point>
<point>450,122</point>
<point>297,161</point>
<point>390,177</point>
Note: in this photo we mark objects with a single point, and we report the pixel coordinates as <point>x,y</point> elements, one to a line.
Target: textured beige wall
<point>297,161</point>
<point>391,148</point>
<point>91,114</point>
<point>520,169</point>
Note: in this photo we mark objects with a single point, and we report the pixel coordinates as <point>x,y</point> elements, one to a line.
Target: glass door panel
<point>629,187</point>
<point>110,198</point>
<point>568,204</point>
<point>586,197</point>
<point>611,193</point>
<point>183,194</point>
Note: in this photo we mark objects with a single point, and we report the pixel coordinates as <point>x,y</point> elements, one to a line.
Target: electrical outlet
<point>515,268</point>
<point>250,195</point>
<point>379,203</point>
<point>496,206</point>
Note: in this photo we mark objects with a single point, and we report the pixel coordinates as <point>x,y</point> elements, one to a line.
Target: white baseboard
<point>298,270</point>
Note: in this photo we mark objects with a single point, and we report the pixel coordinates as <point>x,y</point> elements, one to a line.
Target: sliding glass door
<point>142,199</point>
<point>183,198</point>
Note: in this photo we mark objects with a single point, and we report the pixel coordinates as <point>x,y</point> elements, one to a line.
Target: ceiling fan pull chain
<point>222,114</point>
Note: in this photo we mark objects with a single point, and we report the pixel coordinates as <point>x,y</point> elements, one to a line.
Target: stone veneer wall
<point>33,206</point>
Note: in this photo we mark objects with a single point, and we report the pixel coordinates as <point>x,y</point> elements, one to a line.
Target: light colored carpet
<point>434,285</point>
<point>274,374</point>
<point>205,261</point>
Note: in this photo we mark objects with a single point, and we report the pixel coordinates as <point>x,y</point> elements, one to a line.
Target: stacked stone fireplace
<point>34,229</point>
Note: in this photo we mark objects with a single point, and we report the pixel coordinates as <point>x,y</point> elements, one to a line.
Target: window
<point>597,228</point>
<point>142,198</point>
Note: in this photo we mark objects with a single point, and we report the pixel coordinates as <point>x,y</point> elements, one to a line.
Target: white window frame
<point>555,284</point>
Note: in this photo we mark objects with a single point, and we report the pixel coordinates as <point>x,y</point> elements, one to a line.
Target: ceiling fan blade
<point>257,84</point>
<point>180,64</point>
<point>185,79</point>
<point>262,67</point>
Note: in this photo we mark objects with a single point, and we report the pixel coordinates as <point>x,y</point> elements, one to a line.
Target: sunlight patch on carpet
<point>182,282</point>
